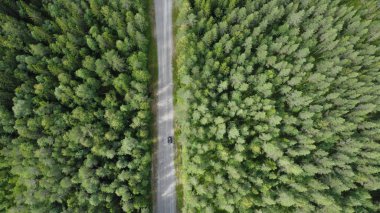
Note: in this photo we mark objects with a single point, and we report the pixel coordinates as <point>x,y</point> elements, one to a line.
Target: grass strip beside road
<point>177,131</point>
<point>153,69</point>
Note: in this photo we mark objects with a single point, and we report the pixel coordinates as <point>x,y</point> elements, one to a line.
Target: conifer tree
<point>281,111</point>
<point>67,101</point>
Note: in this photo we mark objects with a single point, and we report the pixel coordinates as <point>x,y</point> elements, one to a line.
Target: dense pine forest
<point>278,105</point>
<point>74,106</point>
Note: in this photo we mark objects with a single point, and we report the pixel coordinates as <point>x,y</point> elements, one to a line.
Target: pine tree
<point>287,83</point>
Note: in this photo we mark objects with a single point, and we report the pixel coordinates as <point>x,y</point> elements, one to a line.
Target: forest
<point>278,105</point>
<point>74,106</point>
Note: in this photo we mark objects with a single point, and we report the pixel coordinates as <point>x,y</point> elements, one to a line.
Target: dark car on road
<point>170,139</point>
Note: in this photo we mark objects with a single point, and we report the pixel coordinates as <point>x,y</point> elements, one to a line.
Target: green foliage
<point>74,107</point>
<point>279,105</point>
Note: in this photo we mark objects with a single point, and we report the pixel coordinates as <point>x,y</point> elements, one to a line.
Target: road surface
<point>165,177</point>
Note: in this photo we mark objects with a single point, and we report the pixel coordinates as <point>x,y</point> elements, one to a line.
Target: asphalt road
<point>166,199</point>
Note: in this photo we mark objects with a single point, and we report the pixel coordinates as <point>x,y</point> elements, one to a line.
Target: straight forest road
<point>164,169</point>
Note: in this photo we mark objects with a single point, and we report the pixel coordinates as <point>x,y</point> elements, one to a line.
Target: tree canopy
<point>74,106</point>
<point>278,105</point>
